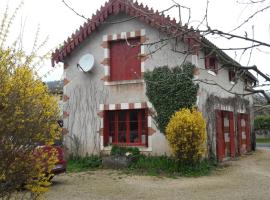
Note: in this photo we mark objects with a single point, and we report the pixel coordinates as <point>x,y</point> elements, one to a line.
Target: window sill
<point>232,82</point>
<point>141,148</point>
<point>212,73</point>
<point>124,82</point>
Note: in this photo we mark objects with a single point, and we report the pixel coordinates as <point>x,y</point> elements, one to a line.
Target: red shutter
<point>106,129</point>
<point>248,141</point>
<point>125,63</point>
<point>231,75</point>
<point>206,60</point>
<point>232,143</point>
<point>239,131</point>
<point>219,136</point>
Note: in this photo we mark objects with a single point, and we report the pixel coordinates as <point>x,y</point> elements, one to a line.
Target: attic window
<point>231,76</point>
<point>125,63</point>
<point>211,63</point>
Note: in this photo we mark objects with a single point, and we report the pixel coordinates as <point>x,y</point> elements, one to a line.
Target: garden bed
<point>129,160</point>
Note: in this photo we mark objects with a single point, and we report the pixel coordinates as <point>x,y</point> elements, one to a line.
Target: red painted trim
<point>232,143</point>
<point>106,129</point>
<point>246,117</point>
<point>66,81</point>
<point>248,140</point>
<point>219,136</point>
<point>129,144</point>
<point>239,131</point>
<point>116,127</point>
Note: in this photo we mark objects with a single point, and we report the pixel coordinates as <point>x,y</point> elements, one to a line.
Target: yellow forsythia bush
<point>187,135</point>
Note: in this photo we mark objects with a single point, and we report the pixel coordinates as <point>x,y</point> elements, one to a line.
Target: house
<point>108,105</point>
<point>56,89</point>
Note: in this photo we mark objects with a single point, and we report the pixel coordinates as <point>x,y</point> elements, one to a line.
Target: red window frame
<point>211,63</point>
<point>231,75</point>
<point>118,126</point>
<point>125,62</point>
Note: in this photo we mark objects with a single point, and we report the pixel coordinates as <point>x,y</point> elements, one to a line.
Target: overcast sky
<point>58,22</point>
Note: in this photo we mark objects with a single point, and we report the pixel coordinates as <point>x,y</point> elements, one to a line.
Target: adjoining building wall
<point>215,97</point>
<point>85,94</point>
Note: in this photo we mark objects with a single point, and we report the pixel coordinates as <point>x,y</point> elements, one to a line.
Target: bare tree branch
<point>251,16</point>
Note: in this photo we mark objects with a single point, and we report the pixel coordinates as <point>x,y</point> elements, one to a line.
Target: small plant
<point>169,166</point>
<point>78,164</point>
<point>131,152</point>
<point>187,135</point>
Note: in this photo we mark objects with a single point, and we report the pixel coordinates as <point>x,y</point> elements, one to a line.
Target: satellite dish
<point>86,62</point>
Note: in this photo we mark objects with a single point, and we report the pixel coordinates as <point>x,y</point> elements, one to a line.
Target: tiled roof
<point>153,18</point>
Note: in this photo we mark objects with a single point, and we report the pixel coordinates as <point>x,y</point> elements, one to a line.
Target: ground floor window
<point>126,127</point>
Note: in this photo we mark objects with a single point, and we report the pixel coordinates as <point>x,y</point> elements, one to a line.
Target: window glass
<point>127,126</point>
<point>122,126</point>
<point>134,126</point>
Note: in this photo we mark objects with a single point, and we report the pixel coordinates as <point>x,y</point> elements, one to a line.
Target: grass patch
<point>167,166</point>
<point>263,140</point>
<point>84,164</point>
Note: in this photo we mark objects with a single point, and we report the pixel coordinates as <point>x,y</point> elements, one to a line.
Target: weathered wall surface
<point>227,100</point>
<point>84,92</point>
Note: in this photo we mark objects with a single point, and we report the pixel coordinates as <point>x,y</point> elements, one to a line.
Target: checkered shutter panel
<point>219,136</point>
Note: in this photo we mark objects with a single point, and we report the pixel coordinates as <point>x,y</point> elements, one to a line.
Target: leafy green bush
<point>163,165</point>
<point>82,164</point>
<point>170,89</point>
<point>262,123</point>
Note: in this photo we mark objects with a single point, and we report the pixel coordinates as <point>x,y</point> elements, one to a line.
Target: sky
<point>58,22</point>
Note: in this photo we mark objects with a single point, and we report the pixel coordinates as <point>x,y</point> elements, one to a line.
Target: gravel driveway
<point>246,178</point>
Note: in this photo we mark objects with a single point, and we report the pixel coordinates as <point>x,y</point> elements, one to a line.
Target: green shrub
<point>83,163</point>
<point>262,123</point>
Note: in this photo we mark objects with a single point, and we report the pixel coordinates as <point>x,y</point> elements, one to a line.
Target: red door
<point>225,134</point>
<point>243,129</point>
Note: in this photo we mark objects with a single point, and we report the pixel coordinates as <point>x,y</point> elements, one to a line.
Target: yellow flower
<point>186,134</point>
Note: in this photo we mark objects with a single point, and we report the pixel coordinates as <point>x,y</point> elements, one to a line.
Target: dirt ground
<point>245,179</point>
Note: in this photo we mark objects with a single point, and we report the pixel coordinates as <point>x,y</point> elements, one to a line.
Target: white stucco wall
<point>86,91</point>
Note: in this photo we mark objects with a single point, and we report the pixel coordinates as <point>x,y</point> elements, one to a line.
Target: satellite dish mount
<point>86,63</point>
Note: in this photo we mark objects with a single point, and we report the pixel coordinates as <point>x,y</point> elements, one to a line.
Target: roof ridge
<point>155,19</point>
